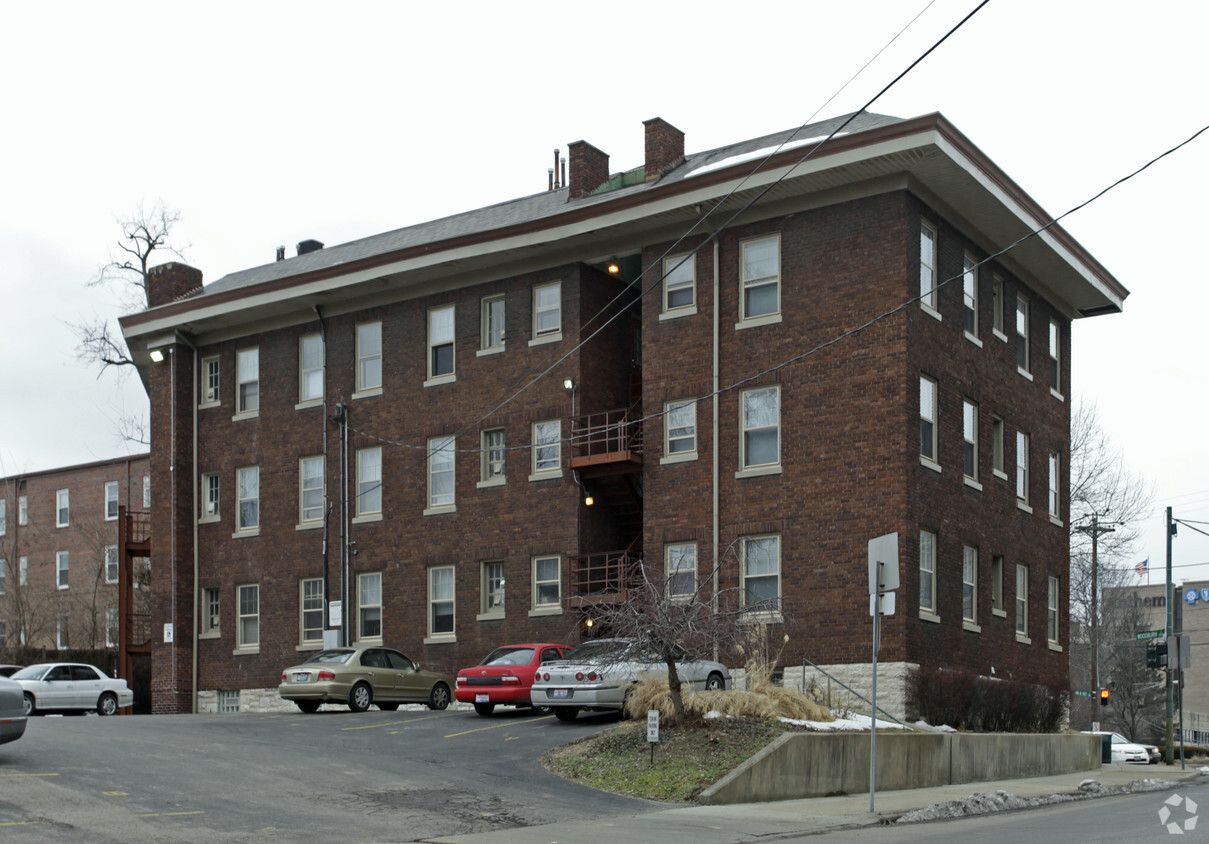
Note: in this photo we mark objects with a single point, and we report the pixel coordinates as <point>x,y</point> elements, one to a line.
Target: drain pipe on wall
<point>714,461</point>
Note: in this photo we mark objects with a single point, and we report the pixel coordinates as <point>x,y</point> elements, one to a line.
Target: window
<point>760,271</point>
<point>969,291</point>
<point>111,564</point>
<point>760,444</point>
<point>440,601</point>
<point>493,588</point>
<point>1021,601</point>
<point>209,497</point>
<point>61,566</point>
<point>927,419</point>
<point>440,473</point>
<point>22,511</point>
<point>247,381</point>
<point>493,324</point>
<point>3,634</point>
<point>547,586</point>
<point>1055,491</point>
<point>969,584</point>
<point>61,636</point>
<point>369,480</point>
<point>547,447</point>
<point>1055,357</point>
<point>997,447</point>
<point>927,266</point>
<point>969,414</point>
<point>310,489</point>
<point>111,628</point>
<point>147,492</point>
<point>369,357</point>
<point>210,393</point>
<point>997,306</point>
<point>248,505</point>
<point>369,606</point>
<point>761,571</point>
<point>209,612</point>
<point>493,454</point>
<point>927,573</point>
<point>3,516</point>
<point>23,570</point>
<point>111,500</point>
<point>62,508</point>
<point>1022,334</point>
<point>997,586</point>
<point>547,311</point>
<point>682,570</point>
<point>3,575</point>
<point>248,627</point>
<point>310,613</point>
<point>440,343</point>
<point>1022,467</point>
<point>680,428</point>
<point>1051,611</point>
<point>310,369</point>
<point>679,283</point>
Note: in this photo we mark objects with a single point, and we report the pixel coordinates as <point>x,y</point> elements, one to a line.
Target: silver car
<point>71,687</point>
<point>12,711</point>
<point>599,674</point>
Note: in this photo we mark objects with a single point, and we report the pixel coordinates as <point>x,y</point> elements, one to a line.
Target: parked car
<point>1153,752</point>
<point>12,711</point>
<point>599,674</point>
<point>505,677</point>
<point>9,670</point>
<point>361,676</point>
<point>1124,750</point>
<point>71,687</point>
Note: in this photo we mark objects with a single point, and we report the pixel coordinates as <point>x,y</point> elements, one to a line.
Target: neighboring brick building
<point>59,552</point>
<point>394,409</point>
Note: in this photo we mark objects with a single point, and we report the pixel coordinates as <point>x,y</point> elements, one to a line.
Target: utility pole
<point>1095,529</point>
<point>1168,750</point>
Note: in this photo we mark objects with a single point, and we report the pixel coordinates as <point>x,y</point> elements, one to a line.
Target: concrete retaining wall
<point>820,764</point>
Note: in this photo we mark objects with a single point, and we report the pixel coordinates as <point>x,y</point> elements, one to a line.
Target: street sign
<point>884,550</point>
<point>1081,693</point>
<point>1150,634</point>
<point>652,725</point>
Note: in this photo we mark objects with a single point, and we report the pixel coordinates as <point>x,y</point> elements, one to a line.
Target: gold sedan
<point>361,676</point>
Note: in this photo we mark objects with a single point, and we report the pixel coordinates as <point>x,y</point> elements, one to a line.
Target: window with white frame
<point>1022,467</point>
<point>760,277</point>
<point>3,516</point>
<point>680,428</point>
<point>1055,356</point>
<point>1051,610</point>
<point>440,342</point>
<point>440,472</point>
<point>1022,361</point>
<point>927,419</point>
<point>927,572</point>
<point>62,508</point>
<point>681,569</point>
<point>62,564</point>
<point>111,564</point>
<point>997,306</point>
<point>111,500</point>
<point>969,425</point>
<point>62,639</point>
<point>310,368</point>
<point>247,508</point>
<point>209,611</point>
<point>247,381</point>
<point>210,381</point>
<point>3,634</point>
<point>760,443</point>
<point>247,599</point>
<point>23,570</point>
<point>440,601</point>
<point>969,292</point>
<point>147,492</point>
<point>369,481</point>
<point>310,611</point>
<point>22,511</point>
<point>547,582</point>
<point>997,585</point>
<point>997,437</point>
<point>547,447</point>
<point>927,265</point>
<point>1021,600</point>
<point>492,323</point>
<point>1055,491</point>
<point>679,283</point>
<point>369,356</point>
<point>310,489</point>
<point>369,606</point>
<point>111,627</point>
<point>3,575</point>
<point>547,310</point>
<point>492,587</point>
<point>969,584</point>
<point>761,570</point>
<point>209,497</point>
<point>492,456</point>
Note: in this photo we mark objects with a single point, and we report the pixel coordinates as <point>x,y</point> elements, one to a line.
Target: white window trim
<point>485,348</point>
<point>381,606</point>
<point>205,398</point>
<point>441,638</point>
<point>304,523</point>
<point>62,495</point>
<point>758,469</point>
<point>680,456</point>
<point>435,446</point>
<point>304,403</point>
<point>313,644</point>
<point>673,264</point>
<point>204,496</point>
<point>771,616</point>
<point>667,562</point>
<point>368,515</point>
<point>931,462</point>
<point>969,266</point>
<point>544,474</point>
<point>966,406</point>
<point>117,564</point>
<point>1023,468</point>
<point>242,532</point>
<point>62,567</point>
<point>485,459</point>
<point>362,391</point>
<point>746,321</point>
<point>492,613</point>
<point>970,622</point>
<point>1025,370</point>
<point>927,301</point>
<point>206,630</point>
<point>246,414</point>
<point>446,377</point>
<point>536,609</point>
<point>242,647</point>
<point>929,612</point>
<point>117,500</point>
<point>547,336</point>
<point>1021,636</point>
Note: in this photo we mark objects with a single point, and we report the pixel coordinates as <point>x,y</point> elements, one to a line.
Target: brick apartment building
<point>394,439</point>
<point>59,552</point>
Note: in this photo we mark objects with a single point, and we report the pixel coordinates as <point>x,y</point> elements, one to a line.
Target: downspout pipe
<point>327,510</point>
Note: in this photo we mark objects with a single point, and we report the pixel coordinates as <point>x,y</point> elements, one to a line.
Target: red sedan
<point>505,676</point>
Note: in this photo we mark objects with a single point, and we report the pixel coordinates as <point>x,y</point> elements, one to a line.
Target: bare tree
<point>1138,699</point>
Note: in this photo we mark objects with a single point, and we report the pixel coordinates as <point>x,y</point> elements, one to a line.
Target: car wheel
<point>438,698</point>
<point>360,697</point>
<point>484,709</point>
<point>388,707</point>
<point>308,705</point>
<point>108,704</point>
<point>565,713</point>
<point>30,709</point>
<point>714,682</point>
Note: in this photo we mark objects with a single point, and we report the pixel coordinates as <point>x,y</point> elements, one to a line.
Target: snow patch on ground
<point>845,720</point>
<point>998,801</point>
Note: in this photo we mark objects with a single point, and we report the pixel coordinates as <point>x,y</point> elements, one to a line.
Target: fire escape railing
<point>610,432</point>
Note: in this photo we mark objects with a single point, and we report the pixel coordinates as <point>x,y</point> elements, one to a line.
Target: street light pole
<point>1095,529</point>
<point>1168,750</point>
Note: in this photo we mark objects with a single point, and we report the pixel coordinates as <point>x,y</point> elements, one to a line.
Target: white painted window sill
<point>929,463</point>
<point>442,639</point>
<point>496,481</point>
<point>929,616</point>
<point>441,509</point>
<point>758,472</point>
<point>441,379</point>
<point>1024,373</point>
<point>1057,395</point>
<point>931,311</point>
<point>1023,505</point>
<point>1022,639</point>
<point>367,393</point>
<point>545,476</point>
<point>679,457</point>
<point>308,525</point>
<point>366,519</point>
<point>966,624</point>
<point>308,404</point>
<point>489,616</point>
<point>494,350</point>
<point>756,322</point>
<point>246,534</point>
<point>972,484</point>
<point>690,310</point>
<point>1054,646</point>
<point>973,339</point>
<point>243,417</point>
<point>1000,613</point>
<point>546,338</point>
<point>545,611</point>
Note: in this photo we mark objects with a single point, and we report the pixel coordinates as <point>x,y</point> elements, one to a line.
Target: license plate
<point>559,694</point>
<point>302,677</point>
<point>482,698</point>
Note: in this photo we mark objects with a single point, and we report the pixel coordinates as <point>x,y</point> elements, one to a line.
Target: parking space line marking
<point>28,775</point>
<point>396,723</point>
<point>496,727</point>
<point>166,814</point>
<point>22,823</point>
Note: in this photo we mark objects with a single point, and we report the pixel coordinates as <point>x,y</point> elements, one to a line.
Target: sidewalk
<point>743,822</point>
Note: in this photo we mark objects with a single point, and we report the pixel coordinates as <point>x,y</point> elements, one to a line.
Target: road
<point>372,776</point>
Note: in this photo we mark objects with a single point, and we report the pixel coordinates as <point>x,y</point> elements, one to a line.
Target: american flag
<point>1142,567</point>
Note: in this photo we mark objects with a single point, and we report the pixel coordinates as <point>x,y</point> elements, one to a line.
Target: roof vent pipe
<point>557,183</point>
<point>280,253</point>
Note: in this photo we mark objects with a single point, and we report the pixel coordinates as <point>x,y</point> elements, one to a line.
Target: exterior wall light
<point>157,355</point>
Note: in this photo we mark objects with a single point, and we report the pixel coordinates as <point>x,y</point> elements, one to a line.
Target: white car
<point>71,687</point>
<point>1124,750</point>
<point>598,674</point>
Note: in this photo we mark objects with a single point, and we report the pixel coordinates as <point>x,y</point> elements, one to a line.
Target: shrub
<point>962,699</point>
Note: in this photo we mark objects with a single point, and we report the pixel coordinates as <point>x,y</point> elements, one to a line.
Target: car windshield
<point>32,672</point>
<point>509,656</point>
<point>599,651</point>
<point>340,656</point>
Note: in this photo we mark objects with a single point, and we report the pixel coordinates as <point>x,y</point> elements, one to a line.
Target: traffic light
<point>1156,654</point>
<point>1104,697</point>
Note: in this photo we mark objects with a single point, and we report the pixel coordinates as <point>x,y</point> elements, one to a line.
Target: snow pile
<point>1202,771</point>
<point>998,801</point>
<point>943,728</point>
<point>845,720</point>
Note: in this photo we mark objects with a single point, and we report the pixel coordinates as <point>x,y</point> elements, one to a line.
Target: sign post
<point>883,580</point>
<point>652,730</point>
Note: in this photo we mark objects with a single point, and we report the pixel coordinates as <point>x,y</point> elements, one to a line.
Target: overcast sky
<point>268,123</point>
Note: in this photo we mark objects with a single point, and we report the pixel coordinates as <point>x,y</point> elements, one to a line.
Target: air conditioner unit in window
<point>213,622</point>
<point>211,508</point>
<point>211,395</point>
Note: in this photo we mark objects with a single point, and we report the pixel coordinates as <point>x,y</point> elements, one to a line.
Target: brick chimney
<point>172,281</point>
<point>589,169</point>
<point>664,147</point>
